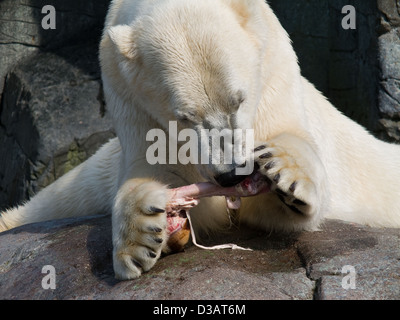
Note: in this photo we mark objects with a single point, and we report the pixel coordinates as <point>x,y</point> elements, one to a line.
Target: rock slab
<point>301,266</point>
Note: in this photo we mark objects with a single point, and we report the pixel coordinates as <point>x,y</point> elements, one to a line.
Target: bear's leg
<point>139,226</point>
<point>295,173</point>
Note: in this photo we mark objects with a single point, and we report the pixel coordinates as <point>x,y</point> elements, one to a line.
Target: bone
<point>184,198</point>
<point>187,197</point>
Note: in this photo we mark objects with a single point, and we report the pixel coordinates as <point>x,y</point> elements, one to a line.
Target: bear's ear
<point>123,38</point>
<point>245,9</point>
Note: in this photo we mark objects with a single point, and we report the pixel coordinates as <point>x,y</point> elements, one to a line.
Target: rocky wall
<point>389,68</point>
<point>342,63</point>
<point>50,97</point>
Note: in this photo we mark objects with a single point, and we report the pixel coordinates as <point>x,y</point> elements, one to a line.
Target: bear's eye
<point>183,118</point>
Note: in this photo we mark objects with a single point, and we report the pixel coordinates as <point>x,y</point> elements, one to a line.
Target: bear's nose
<point>229,179</point>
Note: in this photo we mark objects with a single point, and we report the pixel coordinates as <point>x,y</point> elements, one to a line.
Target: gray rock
<point>391,129</point>
<point>296,266</point>
<point>50,119</point>
<point>389,54</point>
<point>389,87</point>
<point>388,58</point>
<point>374,254</point>
<point>390,10</point>
<point>389,95</point>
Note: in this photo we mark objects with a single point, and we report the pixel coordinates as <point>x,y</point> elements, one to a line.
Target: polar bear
<point>216,64</point>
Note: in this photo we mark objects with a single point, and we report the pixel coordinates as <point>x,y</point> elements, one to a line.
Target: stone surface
<point>50,119</point>
<point>390,14</point>
<point>374,253</point>
<point>390,74</point>
<point>300,266</point>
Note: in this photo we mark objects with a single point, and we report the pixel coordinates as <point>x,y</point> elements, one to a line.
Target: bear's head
<point>198,63</point>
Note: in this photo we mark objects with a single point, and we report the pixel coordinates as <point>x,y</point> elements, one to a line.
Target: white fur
<point>221,63</point>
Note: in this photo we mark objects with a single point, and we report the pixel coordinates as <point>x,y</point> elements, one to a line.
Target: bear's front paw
<point>291,184</point>
<point>139,228</point>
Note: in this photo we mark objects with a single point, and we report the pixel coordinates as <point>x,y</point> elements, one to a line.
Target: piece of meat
<point>186,197</point>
